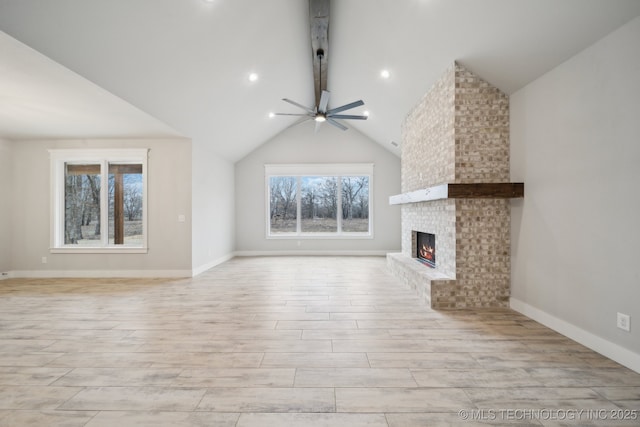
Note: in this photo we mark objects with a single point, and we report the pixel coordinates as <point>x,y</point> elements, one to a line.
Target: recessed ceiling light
<point>385,74</point>
<point>253,77</point>
<point>272,115</point>
<point>209,1</point>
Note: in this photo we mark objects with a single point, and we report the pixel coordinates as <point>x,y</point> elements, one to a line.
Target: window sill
<point>104,250</point>
<point>319,236</point>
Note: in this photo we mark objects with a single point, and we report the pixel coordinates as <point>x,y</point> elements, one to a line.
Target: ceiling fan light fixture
<point>385,74</point>
<point>320,118</point>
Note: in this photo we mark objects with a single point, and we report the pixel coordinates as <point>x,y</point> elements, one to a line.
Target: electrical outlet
<point>44,259</point>
<point>624,322</point>
<point>4,274</point>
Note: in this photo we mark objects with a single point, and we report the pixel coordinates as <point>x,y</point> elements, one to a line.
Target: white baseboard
<point>611,350</point>
<point>43,274</point>
<point>204,267</point>
<point>97,274</point>
<point>312,253</point>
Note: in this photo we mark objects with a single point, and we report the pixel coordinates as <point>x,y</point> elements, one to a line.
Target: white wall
<point>169,195</point>
<point>575,142</point>
<point>213,208</point>
<point>300,144</point>
<point>5,205</point>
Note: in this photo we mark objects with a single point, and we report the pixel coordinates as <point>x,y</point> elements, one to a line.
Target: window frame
<point>103,157</point>
<point>337,170</point>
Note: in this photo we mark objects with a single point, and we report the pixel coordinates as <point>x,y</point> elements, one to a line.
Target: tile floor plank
<point>163,419</point>
<point>135,399</point>
<point>269,400</point>
<point>312,420</point>
<point>47,418</point>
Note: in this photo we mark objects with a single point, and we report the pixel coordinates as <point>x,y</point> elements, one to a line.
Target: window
<point>98,200</point>
<point>319,200</point>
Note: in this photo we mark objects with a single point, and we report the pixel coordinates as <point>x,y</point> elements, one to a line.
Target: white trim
<point>97,154</point>
<point>204,267</point>
<point>319,169</point>
<point>313,253</point>
<point>611,350</point>
<point>58,159</point>
<point>320,236</point>
<point>98,250</point>
<point>298,208</point>
<point>337,170</point>
<point>98,274</point>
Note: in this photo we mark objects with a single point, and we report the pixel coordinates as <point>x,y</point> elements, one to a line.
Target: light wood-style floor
<point>287,341</point>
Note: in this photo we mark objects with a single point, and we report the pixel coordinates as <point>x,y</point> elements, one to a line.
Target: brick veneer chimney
<point>458,133</point>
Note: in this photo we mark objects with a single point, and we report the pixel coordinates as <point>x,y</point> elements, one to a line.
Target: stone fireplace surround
<point>457,134</point>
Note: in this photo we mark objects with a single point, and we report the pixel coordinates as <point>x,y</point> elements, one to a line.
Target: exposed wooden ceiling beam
<point>319,24</point>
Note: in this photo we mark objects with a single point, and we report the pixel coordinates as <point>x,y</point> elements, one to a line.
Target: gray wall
<point>5,205</point>
<point>213,208</point>
<point>575,142</point>
<point>300,144</point>
<point>169,195</point>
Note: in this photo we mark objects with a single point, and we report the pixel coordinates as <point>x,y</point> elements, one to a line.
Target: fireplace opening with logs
<point>425,248</point>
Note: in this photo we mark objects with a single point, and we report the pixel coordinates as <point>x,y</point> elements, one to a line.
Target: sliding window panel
<point>319,204</point>
<point>283,205</point>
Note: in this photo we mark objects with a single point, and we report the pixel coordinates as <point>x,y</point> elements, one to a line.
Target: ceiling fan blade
<point>347,116</point>
<point>336,124</point>
<point>346,107</point>
<point>310,110</point>
<point>294,114</point>
<point>324,101</point>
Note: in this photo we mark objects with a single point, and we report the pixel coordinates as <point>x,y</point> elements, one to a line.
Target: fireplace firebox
<point>425,248</point>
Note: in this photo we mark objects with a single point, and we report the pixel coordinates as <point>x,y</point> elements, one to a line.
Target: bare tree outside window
<point>318,204</point>
<point>133,198</point>
<point>283,211</point>
<point>125,204</point>
<point>326,205</point>
<point>82,204</point>
<point>355,203</point>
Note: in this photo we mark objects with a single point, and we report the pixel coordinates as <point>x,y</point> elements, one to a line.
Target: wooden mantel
<point>493,190</point>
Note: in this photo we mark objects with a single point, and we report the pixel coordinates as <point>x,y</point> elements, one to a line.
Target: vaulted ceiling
<point>149,68</point>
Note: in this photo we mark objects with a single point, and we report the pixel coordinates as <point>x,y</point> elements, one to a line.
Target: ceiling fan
<point>319,22</point>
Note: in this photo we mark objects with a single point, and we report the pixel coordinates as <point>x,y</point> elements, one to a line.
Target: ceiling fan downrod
<point>320,55</point>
